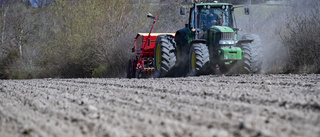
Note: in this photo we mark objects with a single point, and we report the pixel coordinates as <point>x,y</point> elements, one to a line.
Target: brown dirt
<point>206,106</point>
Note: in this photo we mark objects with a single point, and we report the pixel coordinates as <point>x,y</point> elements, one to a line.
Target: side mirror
<point>149,15</point>
<point>182,11</point>
<point>247,10</point>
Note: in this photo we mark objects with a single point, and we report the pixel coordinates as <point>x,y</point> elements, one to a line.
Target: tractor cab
<point>212,28</point>
<point>205,16</point>
<point>209,15</point>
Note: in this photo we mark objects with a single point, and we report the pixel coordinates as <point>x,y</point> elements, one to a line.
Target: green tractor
<point>208,44</point>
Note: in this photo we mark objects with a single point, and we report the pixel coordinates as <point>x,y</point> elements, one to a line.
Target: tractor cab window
<point>191,18</point>
<point>209,17</point>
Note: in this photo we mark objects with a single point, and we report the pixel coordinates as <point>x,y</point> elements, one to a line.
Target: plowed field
<point>206,106</point>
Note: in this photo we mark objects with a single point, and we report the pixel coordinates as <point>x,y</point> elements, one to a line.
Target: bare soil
<point>206,106</point>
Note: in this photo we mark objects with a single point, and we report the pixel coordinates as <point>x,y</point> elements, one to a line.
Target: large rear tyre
<point>252,54</point>
<point>199,60</point>
<point>164,56</point>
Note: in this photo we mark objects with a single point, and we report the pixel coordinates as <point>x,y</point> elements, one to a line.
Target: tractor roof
<point>152,34</point>
<point>214,4</point>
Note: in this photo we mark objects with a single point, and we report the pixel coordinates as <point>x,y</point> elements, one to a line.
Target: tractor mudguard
<point>181,37</point>
<point>199,41</point>
<point>239,43</point>
<point>184,36</point>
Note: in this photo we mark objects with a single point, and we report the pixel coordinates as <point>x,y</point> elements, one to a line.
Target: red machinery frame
<point>144,44</point>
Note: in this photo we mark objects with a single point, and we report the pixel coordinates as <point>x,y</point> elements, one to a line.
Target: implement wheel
<point>164,56</point>
<point>130,72</point>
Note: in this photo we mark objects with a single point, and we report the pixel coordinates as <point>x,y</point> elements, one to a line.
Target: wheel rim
<point>193,62</point>
<point>158,57</point>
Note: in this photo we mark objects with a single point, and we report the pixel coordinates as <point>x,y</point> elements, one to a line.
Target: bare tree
<point>301,35</point>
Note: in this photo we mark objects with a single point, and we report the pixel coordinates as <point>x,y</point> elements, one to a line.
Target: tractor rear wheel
<point>164,56</point>
<point>199,61</point>
<point>252,54</point>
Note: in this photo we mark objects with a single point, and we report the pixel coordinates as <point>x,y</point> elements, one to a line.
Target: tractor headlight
<point>226,42</point>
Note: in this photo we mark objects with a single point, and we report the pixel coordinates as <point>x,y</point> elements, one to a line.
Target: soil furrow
<point>235,105</point>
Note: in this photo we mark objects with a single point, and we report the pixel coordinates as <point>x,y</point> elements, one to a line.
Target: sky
<point>34,2</point>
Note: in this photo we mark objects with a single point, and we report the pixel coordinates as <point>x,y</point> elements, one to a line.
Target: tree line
<point>93,38</point>
<point>67,39</point>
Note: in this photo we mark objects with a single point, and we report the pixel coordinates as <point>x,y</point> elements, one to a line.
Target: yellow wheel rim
<point>193,62</point>
<point>158,57</point>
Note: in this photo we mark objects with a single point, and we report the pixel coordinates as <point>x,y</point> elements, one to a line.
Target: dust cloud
<point>266,20</point>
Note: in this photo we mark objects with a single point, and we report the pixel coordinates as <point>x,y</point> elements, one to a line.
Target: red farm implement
<point>143,63</point>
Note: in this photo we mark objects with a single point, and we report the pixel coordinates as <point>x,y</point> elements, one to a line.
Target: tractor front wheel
<point>199,60</point>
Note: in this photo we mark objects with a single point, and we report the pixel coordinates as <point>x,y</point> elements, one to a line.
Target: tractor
<point>208,44</point>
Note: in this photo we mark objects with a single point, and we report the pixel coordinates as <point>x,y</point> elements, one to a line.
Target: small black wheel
<point>130,71</point>
<point>138,74</point>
